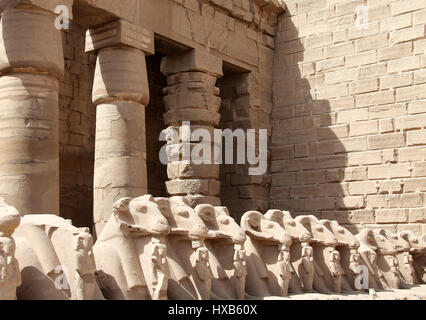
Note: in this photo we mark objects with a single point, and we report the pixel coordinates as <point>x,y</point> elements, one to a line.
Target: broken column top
<point>194,60</point>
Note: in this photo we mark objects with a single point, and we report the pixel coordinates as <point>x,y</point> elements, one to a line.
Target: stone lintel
<point>194,60</point>
<point>120,33</point>
<point>275,6</point>
<point>47,5</point>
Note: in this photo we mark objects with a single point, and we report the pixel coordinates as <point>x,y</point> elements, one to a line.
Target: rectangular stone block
<point>364,158</point>
<point>411,122</point>
<point>364,86</point>
<point>404,64</point>
<point>404,6</point>
<point>417,137</point>
<point>416,107</point>
<point>407,34</point>
<point>368,99</point>
<point>385,141</point>
<point>363,128</point>
<point>395,52</point>
<point>120,32</point>
<point>392,216</point>
<point>389,171</point>
<point>362,187</point>
<point>417,215</point>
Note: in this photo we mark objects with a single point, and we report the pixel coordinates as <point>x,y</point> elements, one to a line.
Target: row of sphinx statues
<point>162,248</point>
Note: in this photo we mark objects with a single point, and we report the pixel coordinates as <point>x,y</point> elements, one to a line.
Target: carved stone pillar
<point>31,65</point>
<point>192,96</point>
<point>120,93</point>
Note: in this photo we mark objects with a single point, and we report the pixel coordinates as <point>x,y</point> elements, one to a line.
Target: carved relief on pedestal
<point>10,275</point>
<point>130,251</point>
<point>55,259</point>
<point>187,256</point>
<point>265,240</point>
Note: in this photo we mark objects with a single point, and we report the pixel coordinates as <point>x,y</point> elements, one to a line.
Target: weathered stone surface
<point>55,259</point>
<point>10,275</point>
<point>194,60</point>
<point>120,75</point>
<point>120,157</point>
<point>36,48</point>
<point>29,168</point>
<point>120,32</point>
<point>130,252</point>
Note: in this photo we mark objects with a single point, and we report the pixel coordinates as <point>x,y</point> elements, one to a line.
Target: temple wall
<point>239,32</point>
<point>349,113</point>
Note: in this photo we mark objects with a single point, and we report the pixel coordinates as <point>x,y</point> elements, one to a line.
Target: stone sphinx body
<point>55,259</point>
<point>406,271</point>
<point>187,256</point>
<point>387,260</point>
<point>268,256</point>
<point>10,275</point>
<point>378,254</point>
<point>130,252</point>
<point>227,256</point>
<point>349,257</point>
<point>367,252</point>
<point>301,260</point>
<point>418,255</point>
<point>326,259</point>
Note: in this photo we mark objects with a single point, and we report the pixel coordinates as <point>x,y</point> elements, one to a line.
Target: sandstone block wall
<point>76,129</point>
<point>349,113</point>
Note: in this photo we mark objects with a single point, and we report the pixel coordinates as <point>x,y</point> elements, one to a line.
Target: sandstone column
<point>31,64</point>
<point>120,93</point>
<point>192,96</point>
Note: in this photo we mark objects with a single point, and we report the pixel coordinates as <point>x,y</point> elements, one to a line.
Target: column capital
<point>194,60</point>
<point>29,42</point>
<point>50,5</point>
<point>120,33</point>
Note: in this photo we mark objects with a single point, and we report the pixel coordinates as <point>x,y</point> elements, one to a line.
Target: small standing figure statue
<point>240,270</point>
<point>336,270</point>
<point>395,273</point>
<point>202,264</point>
<point>159,271</point>
<point>354,266</point>
<point>308,266</point>
<point>84,267</point>
<point>10,275</point>
<point>409,265</point>
<point>284,270</point>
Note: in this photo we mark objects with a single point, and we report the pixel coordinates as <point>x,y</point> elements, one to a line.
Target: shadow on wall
<point>77,122</point>
<point>157,172</point>
<point>308,160</point>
